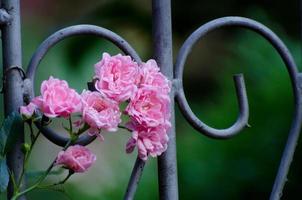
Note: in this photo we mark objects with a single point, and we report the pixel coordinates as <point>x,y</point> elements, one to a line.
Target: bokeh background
<point>239,168</point>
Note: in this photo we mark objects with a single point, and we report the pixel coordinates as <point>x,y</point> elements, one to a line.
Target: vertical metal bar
<point>13,98</point>
<point>134,179</point>
<point>162,44</point>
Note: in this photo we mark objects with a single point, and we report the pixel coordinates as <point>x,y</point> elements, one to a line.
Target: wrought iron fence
<point>18,87</point>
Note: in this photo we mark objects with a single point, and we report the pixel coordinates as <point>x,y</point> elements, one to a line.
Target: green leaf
<point>2,142</point>
<point>15,130</point>
<point>4,176</point>
<point>11,128</point>
<point>6,126</point>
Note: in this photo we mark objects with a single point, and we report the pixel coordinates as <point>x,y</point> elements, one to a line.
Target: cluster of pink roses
<point>117,79</point>
<point>147,90</point>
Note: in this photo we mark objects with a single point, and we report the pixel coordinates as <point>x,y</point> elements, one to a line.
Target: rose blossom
<point>28,111</point>
<point>57,99</point>
<point>149,107</point>
<point>117,76</point>
<point>151,76</point>
<point>100,112</point>
<point>151,141</point>
<point>76,158</point>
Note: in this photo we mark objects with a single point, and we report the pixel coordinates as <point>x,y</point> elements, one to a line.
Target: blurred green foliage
<point>239,168</point>
<point>244,166</point>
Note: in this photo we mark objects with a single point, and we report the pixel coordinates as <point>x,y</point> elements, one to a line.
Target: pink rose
<point>117,77</point>
<point>76,158</point>
<point>151,76</point>
<point>57,99</point>
<point>100,112</point>
<point>151,141</point>
<point>28,111</point>
<point>149,107</point>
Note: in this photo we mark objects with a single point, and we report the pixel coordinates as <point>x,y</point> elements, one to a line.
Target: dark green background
<point>239,168</point>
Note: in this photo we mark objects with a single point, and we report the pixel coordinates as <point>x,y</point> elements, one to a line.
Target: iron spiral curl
<point>296,83</point>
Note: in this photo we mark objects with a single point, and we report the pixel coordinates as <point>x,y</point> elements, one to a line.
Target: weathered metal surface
<point>134,179</point>
<point>5,18</point>
<point>13,80</point>
<point>295,78</point>
<point>162,50</point>
<point>53,40</point>
<point>15,87</point>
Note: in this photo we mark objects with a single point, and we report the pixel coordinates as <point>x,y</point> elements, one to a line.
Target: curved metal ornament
<point>295,77</point>
<point>296,82</point>
<point>40,53</point>
<point>53,40</point>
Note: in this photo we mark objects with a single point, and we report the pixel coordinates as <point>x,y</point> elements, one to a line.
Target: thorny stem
<point>32,145</point>
<point>22,173</point>
<point>28,153</point>
<point>70,125</point>
<point>70,173</point>
<point>124,127</point>
<point>42,178</point>
<point>12,177</point>
<point>83,129</point>
<point>32,136</point>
